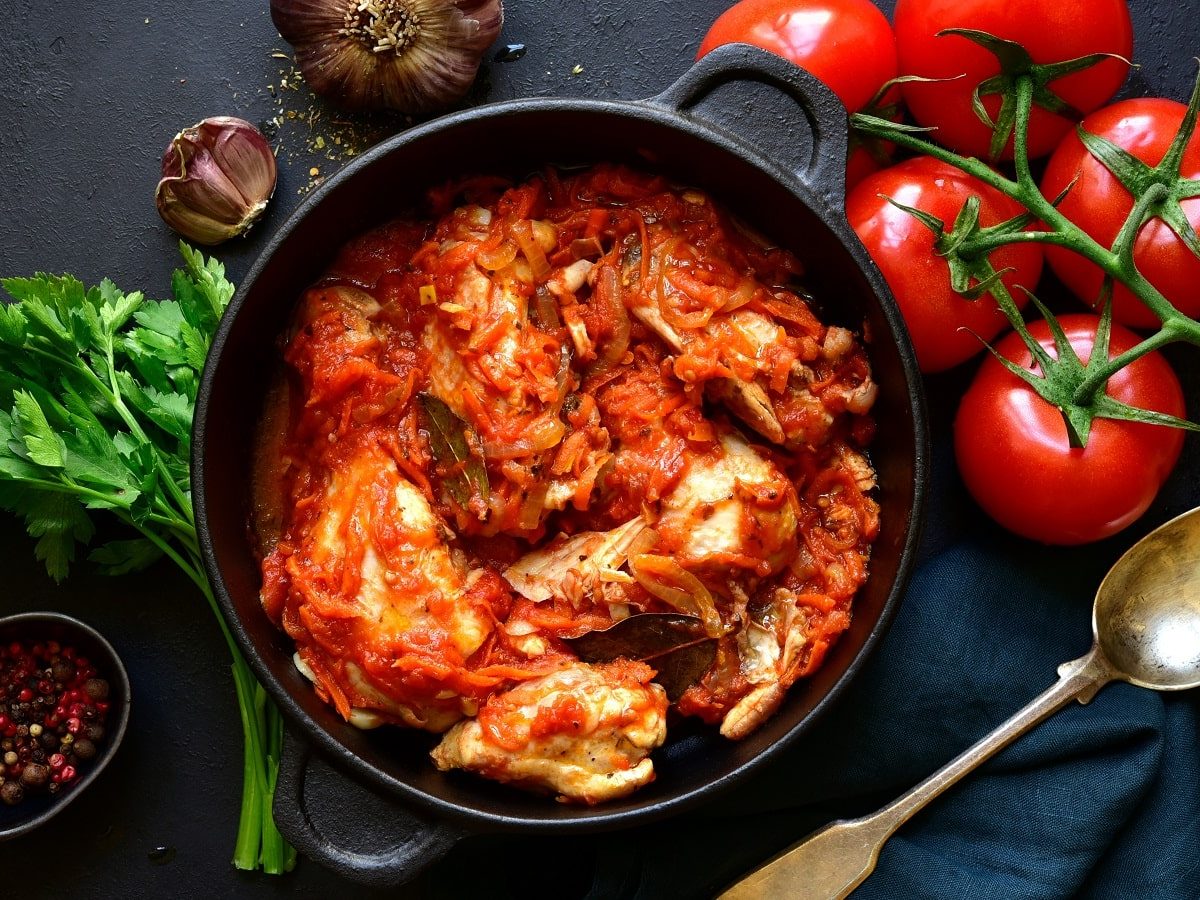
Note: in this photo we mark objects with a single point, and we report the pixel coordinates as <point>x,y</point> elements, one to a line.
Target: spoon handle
<point>834,860</point>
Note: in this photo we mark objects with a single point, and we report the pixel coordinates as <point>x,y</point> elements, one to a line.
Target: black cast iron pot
<point>760,135</point>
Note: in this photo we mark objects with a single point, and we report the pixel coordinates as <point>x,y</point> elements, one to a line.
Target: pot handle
<point>806,137</point>
<point>325,814</point>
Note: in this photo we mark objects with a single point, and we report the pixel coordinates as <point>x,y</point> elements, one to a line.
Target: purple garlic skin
<point>412,56</point>
<point>217,177</point>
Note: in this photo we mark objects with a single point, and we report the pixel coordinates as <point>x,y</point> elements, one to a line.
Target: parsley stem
<point>274,850</point>
<point>257,835</point>
<point>247,846</point>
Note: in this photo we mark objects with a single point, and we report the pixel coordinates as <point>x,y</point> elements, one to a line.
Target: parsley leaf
<point>97,393</point>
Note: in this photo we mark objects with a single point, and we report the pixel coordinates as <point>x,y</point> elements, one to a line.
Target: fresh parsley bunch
<point>97,392</point>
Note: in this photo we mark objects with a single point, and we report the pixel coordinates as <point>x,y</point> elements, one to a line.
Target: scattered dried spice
<point>306,129</point>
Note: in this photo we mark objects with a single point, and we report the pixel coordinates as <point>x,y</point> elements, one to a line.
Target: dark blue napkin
<point>1101,800</point>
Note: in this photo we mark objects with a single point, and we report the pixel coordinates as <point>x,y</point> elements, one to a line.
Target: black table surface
<point>90,93</point>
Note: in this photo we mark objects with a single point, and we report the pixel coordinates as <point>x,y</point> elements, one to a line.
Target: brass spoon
<point>1146,622</point>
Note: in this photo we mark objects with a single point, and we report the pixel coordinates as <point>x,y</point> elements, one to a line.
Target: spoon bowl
<point>1147,614</point>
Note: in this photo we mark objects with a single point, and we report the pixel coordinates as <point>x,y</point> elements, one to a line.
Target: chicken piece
<point>482,339</point>
<point>732,507</point>
<point>854,462</point>
<point>749,402</point>
<point>481,302</point>
<point>378,607</point>
<point>770,647</point>
<point>653,425</point>
<point>584,732</point>
<point>567,281</point>
<point>334,343</point>
<point>353,308</point>
<point>746,399</point>
<point>508,379</point>
<point>753,362</point>
<point>578,566</point>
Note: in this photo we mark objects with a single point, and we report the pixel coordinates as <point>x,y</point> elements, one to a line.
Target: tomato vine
<point>1076,389</point>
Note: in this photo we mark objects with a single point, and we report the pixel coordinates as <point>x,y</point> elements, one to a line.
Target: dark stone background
<point>90,93</point>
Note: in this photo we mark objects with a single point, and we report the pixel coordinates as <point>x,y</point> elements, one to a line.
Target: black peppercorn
<point>96,688</point>
<point>84,748</point>
<point>12,793</point>
<point>62,670</point>
<point>35,775</point>
<point>94,732</point>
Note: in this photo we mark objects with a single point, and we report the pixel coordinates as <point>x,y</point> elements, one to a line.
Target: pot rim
<point>590,818</point>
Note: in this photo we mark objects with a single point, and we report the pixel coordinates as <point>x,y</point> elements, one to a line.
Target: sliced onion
<point>545,234</point>
<point>539,266</point>
<point>587,248</point>
<point>742,295</point>
<point>643,543</point>
<point>532,507</point>
<point>537,438</point>
<point>498,257</point>
<point>671,583</point>
<point>674,318</point>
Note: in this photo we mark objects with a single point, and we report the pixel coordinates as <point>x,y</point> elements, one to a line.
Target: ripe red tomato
<point>1051,30</point>
<point>869,154</point>
<point>945,327</point>
<point>848,44</point>
<point>1014,456</point>
<point>1098,204</point>
<point>859,165</point>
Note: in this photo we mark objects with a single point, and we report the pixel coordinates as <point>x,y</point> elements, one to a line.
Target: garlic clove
<point>414,56</point>
<point>217,177</point>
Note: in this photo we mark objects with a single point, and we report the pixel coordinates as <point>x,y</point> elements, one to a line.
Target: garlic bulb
<point>414,56</point>
<point>217,177</point>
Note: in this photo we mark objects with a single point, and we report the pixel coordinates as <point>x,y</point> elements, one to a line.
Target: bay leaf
<point>449,438</point>
<point>675,646</point>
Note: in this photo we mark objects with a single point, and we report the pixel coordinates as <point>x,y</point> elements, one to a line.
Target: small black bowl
<point>48,626</point>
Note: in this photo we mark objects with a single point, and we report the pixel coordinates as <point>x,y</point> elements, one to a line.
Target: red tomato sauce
<point>555,357</point>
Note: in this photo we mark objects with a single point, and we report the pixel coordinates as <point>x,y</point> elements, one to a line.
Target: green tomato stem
<point>1098,374</point>
<point>1127,237</point>
<point>985,244</point>
<point>1060,231</point>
